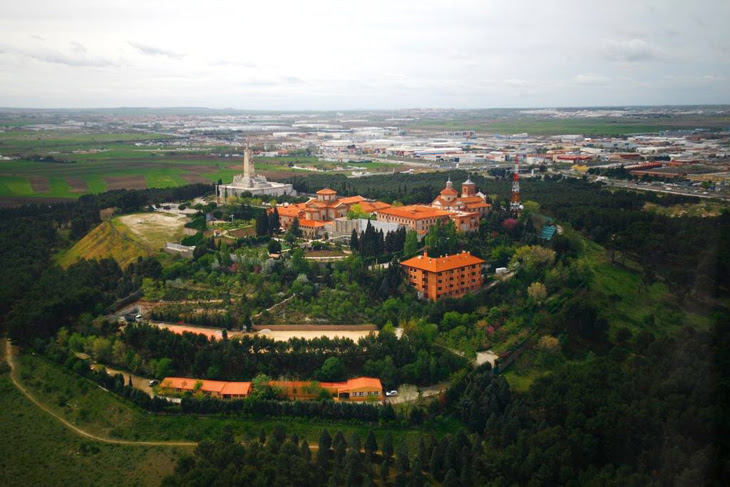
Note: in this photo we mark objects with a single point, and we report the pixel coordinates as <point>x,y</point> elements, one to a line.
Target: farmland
<point>56,165</point>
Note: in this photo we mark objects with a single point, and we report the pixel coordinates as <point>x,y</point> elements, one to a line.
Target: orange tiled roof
<point>374,206</point>
<point>326,191</point>
<point>440,264</point>
<point>481,204</point>
<point>449,191</point>
<point>311,223</point>
<point>351,200</point>
<point>357,383</point>
<point>415,212</point>
<point>290,210</point>
<point>220,387</point>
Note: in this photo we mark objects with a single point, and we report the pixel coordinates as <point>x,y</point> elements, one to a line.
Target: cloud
<point>78,47</point>
<point>632,51</point>
<point>148,50</point>
<point>77,58</point>
<point>590,79</point>
<point>518,83</point>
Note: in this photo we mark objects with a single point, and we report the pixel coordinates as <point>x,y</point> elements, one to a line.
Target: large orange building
<point>452,275</point>
<point>326,207</point>
<point>470,201</point>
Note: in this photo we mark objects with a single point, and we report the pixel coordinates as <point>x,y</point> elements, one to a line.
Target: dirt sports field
<point>278,335</point>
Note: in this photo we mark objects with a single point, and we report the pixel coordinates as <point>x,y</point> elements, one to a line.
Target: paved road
<point>11,362</point>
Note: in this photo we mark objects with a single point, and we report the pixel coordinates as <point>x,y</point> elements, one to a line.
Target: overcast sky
<point>349,54</point>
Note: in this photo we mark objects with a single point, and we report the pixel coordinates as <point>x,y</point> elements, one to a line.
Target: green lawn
<point>38,450</point>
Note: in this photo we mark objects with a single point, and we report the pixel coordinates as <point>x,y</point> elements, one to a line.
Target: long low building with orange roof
<point>358,389</point>
<point>451,275</point>
<point>212,388</point>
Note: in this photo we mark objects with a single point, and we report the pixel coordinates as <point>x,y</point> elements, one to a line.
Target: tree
<point>332,370</point>
<point>354,240</point>
<point>274,222</point>
<point>262,224</point>
<point>537,292</point>
<point>273,247</point>
<point>388,446</point>
<point>371,443</point>
<point>411,245</point>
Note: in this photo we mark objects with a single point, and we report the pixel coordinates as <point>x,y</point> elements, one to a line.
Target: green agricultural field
<point>34,445</point>
<point>102,413</point>
<point>95,163</point>
<point>598,126</point>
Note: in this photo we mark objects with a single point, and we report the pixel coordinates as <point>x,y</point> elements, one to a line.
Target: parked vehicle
<point>391,393</point>
<point>154,382</point>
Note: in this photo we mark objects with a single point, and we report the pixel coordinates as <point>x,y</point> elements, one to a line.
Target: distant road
<point>657,189</point>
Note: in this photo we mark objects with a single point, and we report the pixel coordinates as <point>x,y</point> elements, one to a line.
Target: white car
<point>391,393</point>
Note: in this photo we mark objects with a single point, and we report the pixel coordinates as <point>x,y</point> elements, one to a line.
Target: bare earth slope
<point>125,238</point>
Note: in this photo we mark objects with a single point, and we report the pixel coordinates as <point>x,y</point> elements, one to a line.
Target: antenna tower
<point>514,200</point>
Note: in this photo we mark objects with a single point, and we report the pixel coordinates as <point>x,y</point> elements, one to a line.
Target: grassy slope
<point>115,239</point>
<point>103,413</point>
<point>624,302</point>
<point>37,450</point>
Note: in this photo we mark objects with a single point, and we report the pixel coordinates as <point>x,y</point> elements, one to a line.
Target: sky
<point>352,54</point>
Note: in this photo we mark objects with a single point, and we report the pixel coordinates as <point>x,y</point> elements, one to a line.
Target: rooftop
<point>440,264</point>
<point>414,212</point>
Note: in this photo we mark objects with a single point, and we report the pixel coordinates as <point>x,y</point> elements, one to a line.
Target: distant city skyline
<point>363,55</point>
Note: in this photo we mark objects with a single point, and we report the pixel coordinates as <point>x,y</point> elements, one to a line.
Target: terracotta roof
<point>357,383</point>
<point>290,210</point>
<point>440,264</point>
<point>326,191</point>
<point>311,223</point>
<point>374,206</point>
<point>362,383</point>
<point>481,204</point>
<point>220,387</point>
<point>351,200</point>
<point>449,191</point>
<point>415,212</point>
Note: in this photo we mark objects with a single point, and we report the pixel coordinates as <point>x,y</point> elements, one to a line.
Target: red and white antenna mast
<point>514,201</point>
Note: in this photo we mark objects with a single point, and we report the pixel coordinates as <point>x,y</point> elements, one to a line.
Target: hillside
<point>125,238</point>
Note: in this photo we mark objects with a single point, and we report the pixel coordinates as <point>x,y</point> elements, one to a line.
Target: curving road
<point>79,431</point>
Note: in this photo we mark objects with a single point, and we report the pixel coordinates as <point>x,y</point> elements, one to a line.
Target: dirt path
<point>79,431</point>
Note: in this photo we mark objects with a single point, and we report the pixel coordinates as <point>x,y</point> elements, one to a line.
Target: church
<point>251,183</point>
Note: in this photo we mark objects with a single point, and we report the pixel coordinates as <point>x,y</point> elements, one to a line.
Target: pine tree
<point>262,224</point>
<point>388,446</point>
<point>371,444</point>
<point>354,241</point>
<point>403,463</point>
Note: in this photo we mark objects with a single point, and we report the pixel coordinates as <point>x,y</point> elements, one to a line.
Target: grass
<point>38,450</point>
<point>89,407</point>
<point>598,126</point>
<point>626,302</point>
<point>98,156</point>
<point>116,238</point>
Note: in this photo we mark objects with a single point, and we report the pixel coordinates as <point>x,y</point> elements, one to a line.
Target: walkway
<point>11,362</point>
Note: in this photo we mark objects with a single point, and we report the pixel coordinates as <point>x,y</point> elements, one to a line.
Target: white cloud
<point>149,50</point>
<point>633,51</point>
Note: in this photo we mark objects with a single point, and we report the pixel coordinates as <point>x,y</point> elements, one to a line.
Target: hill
<point>125,238</point>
